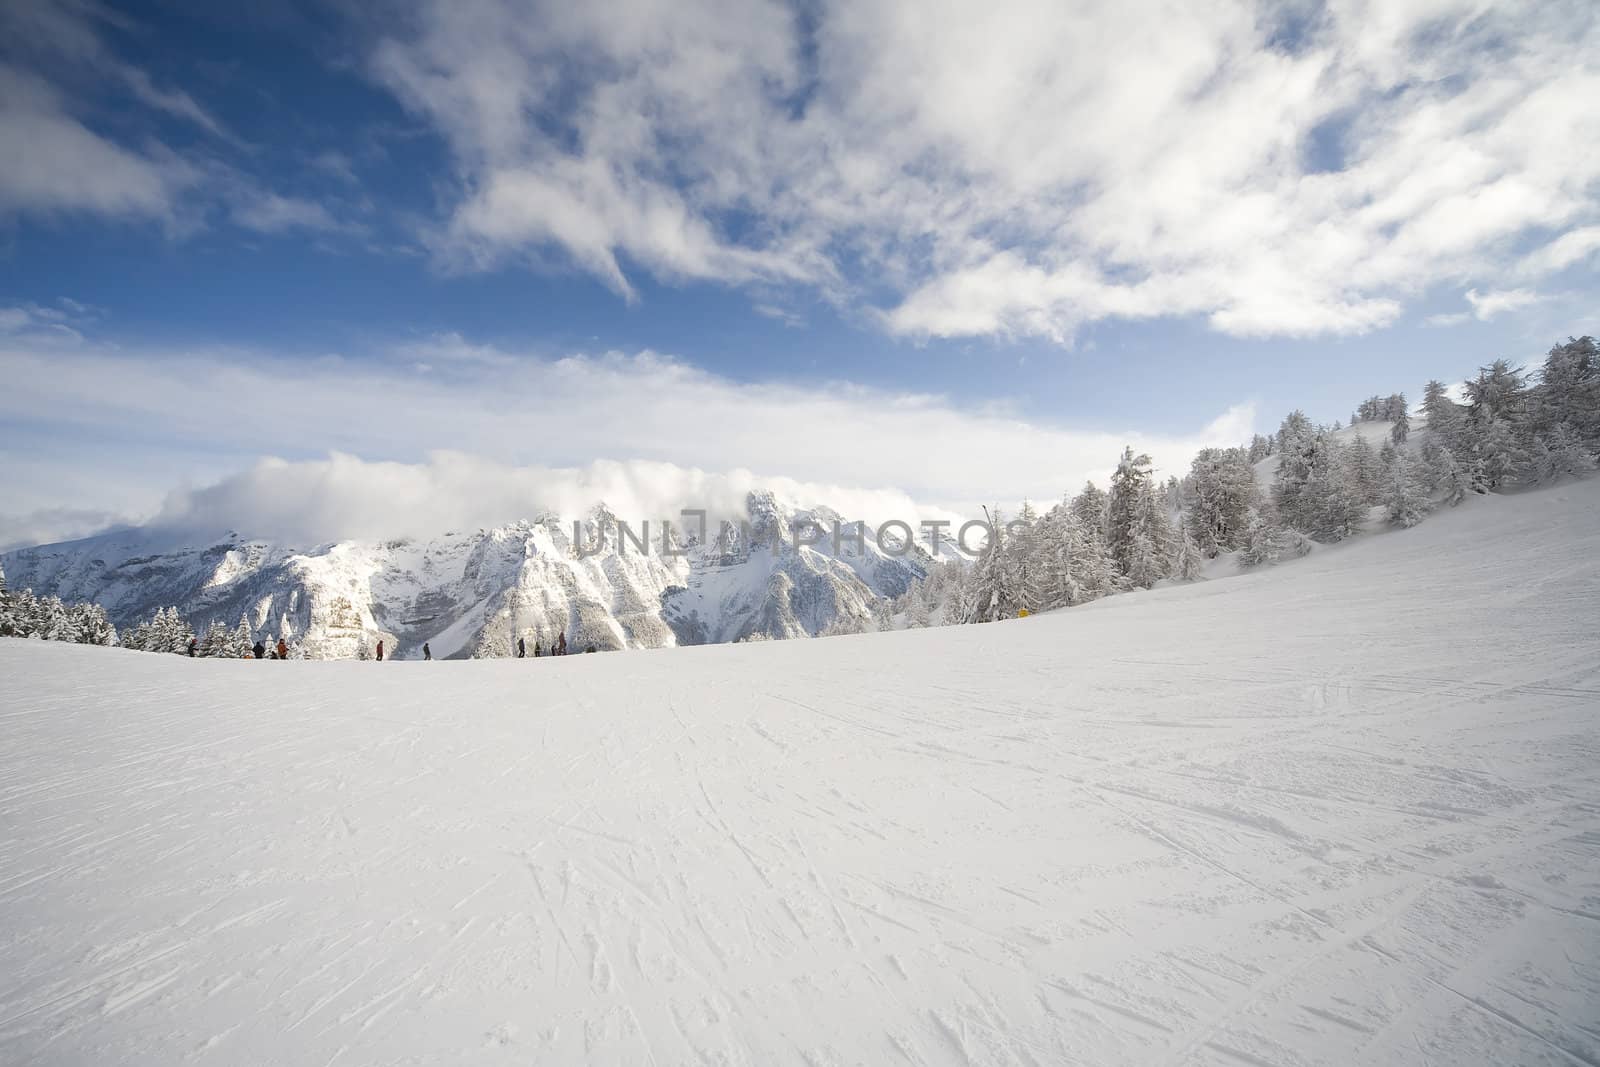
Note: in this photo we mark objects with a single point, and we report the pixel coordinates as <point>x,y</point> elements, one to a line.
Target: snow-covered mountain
<point>476,593</point>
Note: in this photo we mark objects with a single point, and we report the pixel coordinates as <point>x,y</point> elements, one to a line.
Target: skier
<point>537,651</point>
<point>427,654</point>
<point>260,650</point>
<point>522,648</point>
<point>380,651</point>
<point>193,643</point>
<point>283,649</point>
<point>561,644</point>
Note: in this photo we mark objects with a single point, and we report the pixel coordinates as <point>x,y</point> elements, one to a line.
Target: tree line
<point>1511,429</point>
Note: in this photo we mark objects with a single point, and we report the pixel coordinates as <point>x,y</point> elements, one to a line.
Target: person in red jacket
<point>380,651</point>
<point>283,649</point>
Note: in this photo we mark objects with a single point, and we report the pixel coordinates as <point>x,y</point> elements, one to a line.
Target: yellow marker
<point>1022,613</point>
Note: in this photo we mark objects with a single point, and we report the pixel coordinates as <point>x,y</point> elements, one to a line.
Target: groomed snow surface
<point>1342,812</point>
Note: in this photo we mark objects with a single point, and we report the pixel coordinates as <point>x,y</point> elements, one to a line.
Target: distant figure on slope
<point>537,651</point>
<point>260,650</point>
<point>283,649</point>
<point>427,653</point>
<point>522,648</point>
<point>561,644</point>
<point>193,643</point>
<point>380,651</point>
<point>591,648</point>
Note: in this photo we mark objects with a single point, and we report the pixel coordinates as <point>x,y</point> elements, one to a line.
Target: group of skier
<point>558,647</point>
<point>260,650</point>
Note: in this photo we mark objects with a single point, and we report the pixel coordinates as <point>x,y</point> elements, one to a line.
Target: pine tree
<point>1560,454</point>
<point>1363,469</point>
<point>25,614</point>
<point>1569,391</point>
<point>1267,543</point>
<point>1294,432</point>
<point>1090,507</point>
<point>1190,561</point>
<point>54,624</point>
<point>1402,425</point>
<point>8,623</point>
<point>242,641</point>
<point>917,606</point>
<point>1021,552</point>
<point>94,628</point>
<point>216,642</point>
<point>1444,415</point>
<point>1128,509</point>
<point>1403,498</point>
<point>1444,474</point>
<point>991,595</point>
<point>882,615</point>
<point>1222,490</point>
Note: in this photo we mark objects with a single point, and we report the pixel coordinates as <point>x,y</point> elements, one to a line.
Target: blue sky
<point>1040,227</point>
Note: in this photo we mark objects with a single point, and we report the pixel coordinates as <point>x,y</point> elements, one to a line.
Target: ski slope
<point>1345,811</point>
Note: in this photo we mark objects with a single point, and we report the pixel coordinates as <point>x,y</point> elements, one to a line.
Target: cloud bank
<point>516,430</point>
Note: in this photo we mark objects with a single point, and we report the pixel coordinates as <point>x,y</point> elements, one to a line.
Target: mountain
<point>474,594</point>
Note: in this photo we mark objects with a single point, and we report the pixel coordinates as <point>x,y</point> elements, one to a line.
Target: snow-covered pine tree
<point>1494,430</point>
<point>1095,570</point>
<point>7,619</point>
<point>54,622</point>
<point>1569,391</point>
<point>1190,561</point>
<point>1146,566</point>
<point>1128,508</point>
<point>1404,501</point>
<point>882,615</point>
<point>94,627</point>
<point>1060,544</point>
<point>1260,449</point>
<point>990,594</point>
<point>25,614</point>
<point>1267,543</point>
<point>1363,470</point>
<point>1158,527</point>
<point>917,605</point>
<point>1443,474</point>
<point>1444,415</point>
<point>1294,431</point>
<point>1090,507</point>
<point>1402,422</point>
<point>242,640</point>
<point>1561,454</point>
<point>216,642</point>
<point>1334,502</point>
<point>1021,558</point>
<point>1222,490</point>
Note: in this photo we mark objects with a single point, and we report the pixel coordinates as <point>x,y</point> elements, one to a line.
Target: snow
<point>1340,811</point>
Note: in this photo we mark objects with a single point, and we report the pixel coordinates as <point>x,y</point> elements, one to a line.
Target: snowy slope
<point>477,592</point>
<point>1339,812</point>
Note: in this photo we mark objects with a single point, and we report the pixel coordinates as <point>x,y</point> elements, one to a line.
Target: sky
<point>327,270</point>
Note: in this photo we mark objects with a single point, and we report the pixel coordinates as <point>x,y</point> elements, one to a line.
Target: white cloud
<point>1486,306</point>
<point>1021,166</point>
<point>268,212</point>
<point>54,163</point>
<point>160,417</point>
